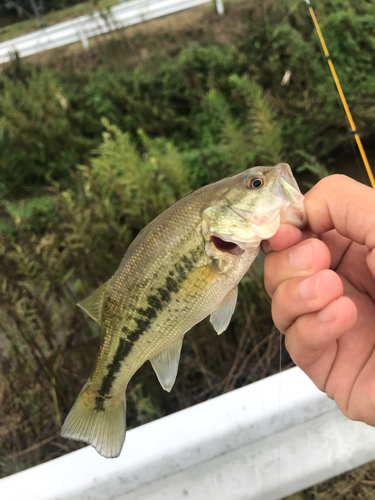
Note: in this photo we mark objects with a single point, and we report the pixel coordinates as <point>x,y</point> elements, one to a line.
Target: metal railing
<point>82,28</point>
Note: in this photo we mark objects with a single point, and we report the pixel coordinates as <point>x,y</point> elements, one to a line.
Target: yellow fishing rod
<point>342,96</point>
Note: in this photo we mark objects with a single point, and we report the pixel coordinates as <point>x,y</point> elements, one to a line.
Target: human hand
<point>322,285</point>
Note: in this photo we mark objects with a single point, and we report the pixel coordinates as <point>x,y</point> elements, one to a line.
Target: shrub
<point>54,249</point>
<point>38,139</point>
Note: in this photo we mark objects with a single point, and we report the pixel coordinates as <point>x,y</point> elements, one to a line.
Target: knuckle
<point>280,307</point>
<point>332,181</point>
<point>321,249</point>
<point>304,333</point>
<point>359,411</point>
<point>269,274</point>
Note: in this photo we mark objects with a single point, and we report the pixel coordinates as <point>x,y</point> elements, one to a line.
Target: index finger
<point>286,236</point>
<point>341,203</point>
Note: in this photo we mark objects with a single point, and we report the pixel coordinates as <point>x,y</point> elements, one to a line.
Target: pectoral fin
<point>93,303</point>
<point>220,318</point>
<point>165,364</point>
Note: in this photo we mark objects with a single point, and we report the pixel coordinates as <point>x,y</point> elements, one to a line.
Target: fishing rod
<point>342,96</point>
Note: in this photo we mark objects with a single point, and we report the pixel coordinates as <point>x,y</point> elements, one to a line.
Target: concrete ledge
<point>264,441</point>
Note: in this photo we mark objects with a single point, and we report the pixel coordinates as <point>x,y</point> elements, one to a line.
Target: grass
<point>59,16</point>
<point>140,44</point>
<point>357,484</point>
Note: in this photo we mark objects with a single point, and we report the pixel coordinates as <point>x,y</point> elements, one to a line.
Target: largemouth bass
<point>184,266</point>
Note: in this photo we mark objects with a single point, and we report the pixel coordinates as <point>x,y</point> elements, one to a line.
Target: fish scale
<point>184,266</point>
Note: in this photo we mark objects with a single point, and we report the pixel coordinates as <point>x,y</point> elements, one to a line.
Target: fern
<point>265,131</point>
<point>233,142</point>
<point>256,139</point>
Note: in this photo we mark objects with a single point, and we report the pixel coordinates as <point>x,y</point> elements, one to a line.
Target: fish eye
<point>255,183</point>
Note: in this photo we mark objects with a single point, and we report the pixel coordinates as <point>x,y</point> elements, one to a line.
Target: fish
<point>182,267</point>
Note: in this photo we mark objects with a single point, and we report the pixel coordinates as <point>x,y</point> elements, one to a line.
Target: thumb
<point>338,202</point>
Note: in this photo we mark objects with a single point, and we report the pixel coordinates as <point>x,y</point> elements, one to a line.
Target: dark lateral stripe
<point>99,403</point>
<point>150,312</point>
<point>172,285</point>
<point>180,270</point>
<point>145,317</point>
<point>122,350</point>
<point>188,263</point>
<point>155,302</point>
<point>164,294</point>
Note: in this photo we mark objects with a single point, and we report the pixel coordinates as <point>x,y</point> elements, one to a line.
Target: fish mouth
<point>226,246</point>
<point>286,186</point>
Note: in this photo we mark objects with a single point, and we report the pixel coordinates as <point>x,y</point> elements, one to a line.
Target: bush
<point>54,250</point>
<point>310,111</point>
<point>50,119</point>
<point>39,140</point>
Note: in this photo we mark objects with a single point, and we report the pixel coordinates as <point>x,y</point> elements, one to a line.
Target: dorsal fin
<point>165,364</point>
<point>93,303</point>
<point>221,317</point>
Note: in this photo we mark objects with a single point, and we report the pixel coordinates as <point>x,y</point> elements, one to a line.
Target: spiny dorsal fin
<point>93,303</point>
<point>221,317</point>
<point>165,364</point>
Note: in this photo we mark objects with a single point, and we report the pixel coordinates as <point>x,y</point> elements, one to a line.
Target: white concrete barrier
<point>262,442</point>
<point>82,28</point>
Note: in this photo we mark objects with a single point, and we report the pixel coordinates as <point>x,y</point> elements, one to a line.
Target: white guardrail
<point>82,28</point>
<point>262,442</point>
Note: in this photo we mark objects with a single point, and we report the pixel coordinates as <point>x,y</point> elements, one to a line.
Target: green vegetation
<point>52,116</point>
<point>97,144</point>
<point>54,249</point>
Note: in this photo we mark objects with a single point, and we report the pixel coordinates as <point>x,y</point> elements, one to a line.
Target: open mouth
<point>226,246</point>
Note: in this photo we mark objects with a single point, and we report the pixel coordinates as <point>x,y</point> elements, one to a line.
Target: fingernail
<point>329,313</point>
<point>301,258</point>
<point>308,288</point>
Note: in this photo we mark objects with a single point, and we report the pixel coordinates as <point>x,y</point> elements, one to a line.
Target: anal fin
<point>221,317</point>
<point>165,364</point>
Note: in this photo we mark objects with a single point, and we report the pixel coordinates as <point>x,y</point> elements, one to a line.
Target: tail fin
<point>103,428</point>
